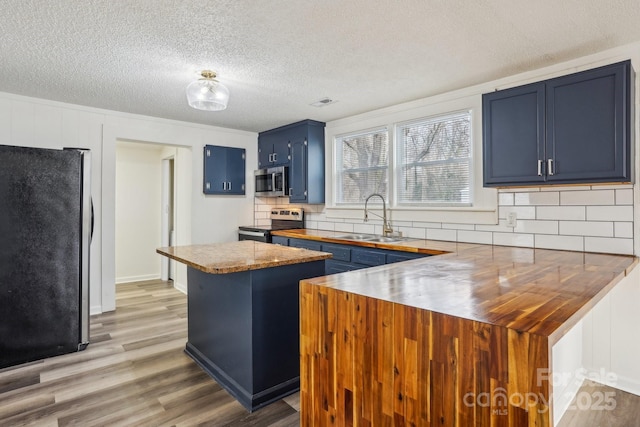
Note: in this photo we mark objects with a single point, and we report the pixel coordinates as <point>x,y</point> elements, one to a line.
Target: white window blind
<point>434,160</point>
<point>362,165</point>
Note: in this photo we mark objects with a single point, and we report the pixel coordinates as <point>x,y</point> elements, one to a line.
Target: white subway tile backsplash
<point>439,234</point>
<point>624,197</point>
<point>483,237</point>
<point>535,199</point>
<point>364,228</point>
<point>505,199</point>
<point>416,233</point>
<point>501,227</point>
<point>346,227</point>
<point>587,228</point>
<point>568,213</point>
<point>611,186</point>
<point>608,245</point>
<point>458,226</point>
<point>522,212</point>
<point>513,239</point>
<point>598,218</point>
<point>536,227</point>
<point>566,243</point>
<point>326,225</point>
<point>623,229</point>
<point>609,213</point>
<point>427,224</point>
<point>566,188</point>
<point>588,198</point>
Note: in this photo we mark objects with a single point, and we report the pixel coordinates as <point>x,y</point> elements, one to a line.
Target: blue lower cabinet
<point>368,256</point>
<point>305,244</point>
<point>348,257</point>
<point>332,266</point>
<point>398,256</point>
<point>279,240</point>
<point>339,252</point>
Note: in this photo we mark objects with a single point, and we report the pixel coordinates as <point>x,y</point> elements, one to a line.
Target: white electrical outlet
<point>512,219</point>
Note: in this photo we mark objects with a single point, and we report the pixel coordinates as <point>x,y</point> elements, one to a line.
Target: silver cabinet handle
<point>540,167</point>
<point>275,157</point>
<point>290,190</point>
<point>271,157</point>
<point>229,188</point>
<point>550,170</point>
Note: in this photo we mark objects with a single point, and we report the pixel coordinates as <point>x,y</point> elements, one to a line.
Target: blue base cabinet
<point>349,257</point>
<point>567,130</point>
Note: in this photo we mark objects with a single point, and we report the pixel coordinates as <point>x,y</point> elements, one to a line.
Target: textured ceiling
<point>278,56</point>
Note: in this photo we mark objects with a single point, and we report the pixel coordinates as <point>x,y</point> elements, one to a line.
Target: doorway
<point>168,230</point>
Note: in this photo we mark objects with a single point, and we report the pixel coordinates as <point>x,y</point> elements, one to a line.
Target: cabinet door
<point>236,170</point>
<point>281,151</point>
<point>214,169</point>
<point>513,135</point>
<point>265,150</point>
<point>298,172</point>
<point>588,125</point>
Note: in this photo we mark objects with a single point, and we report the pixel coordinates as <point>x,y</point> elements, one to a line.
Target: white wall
<point>138,211</point>
<point>40,123</point>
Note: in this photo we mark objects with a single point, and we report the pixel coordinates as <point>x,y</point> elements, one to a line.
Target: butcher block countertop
<point>540,291</point>
<point>234,257</point>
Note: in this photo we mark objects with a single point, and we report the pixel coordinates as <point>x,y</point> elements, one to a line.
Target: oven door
<point>258,236</point>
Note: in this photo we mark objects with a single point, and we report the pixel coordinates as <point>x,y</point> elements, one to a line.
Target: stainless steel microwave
<point>272,182</point>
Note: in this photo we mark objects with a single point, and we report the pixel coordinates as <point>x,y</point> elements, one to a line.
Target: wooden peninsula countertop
<point>234,257</point>
<point>464,338</point>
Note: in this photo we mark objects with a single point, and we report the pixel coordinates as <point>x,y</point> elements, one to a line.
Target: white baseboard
<point>181,287</point>
<point>95,309</point>
<point>627,384</point>
<point>140,278</point>
<point>562,398</point>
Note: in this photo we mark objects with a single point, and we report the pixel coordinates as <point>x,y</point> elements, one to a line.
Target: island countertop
<point>233,257</point>
<point>538,291</point>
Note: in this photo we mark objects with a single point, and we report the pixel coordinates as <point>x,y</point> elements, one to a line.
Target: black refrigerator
<point>45,233</point>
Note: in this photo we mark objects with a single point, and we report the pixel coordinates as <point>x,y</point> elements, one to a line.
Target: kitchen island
<point>465,338</point>
<point>243,314</point>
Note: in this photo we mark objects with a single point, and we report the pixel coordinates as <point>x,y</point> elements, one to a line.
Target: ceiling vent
<point>324,101</point>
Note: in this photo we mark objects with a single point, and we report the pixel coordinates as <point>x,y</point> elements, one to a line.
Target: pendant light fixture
<point>207,93</point>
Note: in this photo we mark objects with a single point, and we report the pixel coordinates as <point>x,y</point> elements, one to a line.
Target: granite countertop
<point>540,291</point>
<point>233,257</point>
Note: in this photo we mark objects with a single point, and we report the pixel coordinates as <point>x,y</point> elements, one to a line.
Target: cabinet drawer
<point>402,256</point>
<point>367,257</point>
<point>279,240</point>
<point>340,252</point>
<point>332,266</point>
<point>305,244</point>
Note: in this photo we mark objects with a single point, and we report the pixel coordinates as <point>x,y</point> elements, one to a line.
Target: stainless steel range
<point>281,219</point>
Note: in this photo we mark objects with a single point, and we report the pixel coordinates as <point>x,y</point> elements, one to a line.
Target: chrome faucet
<point>386,228</point>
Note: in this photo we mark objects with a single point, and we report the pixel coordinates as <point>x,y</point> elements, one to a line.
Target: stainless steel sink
<point>374,238</point>
<point>357,236</point>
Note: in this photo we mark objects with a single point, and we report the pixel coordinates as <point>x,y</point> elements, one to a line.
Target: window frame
<point>397,167</point>
<point>484,210</point>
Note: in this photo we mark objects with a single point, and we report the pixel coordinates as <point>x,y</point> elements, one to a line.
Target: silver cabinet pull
<point>275,157</point>
<point>540,167</point>
<point>229,188</point>
<point>550,170</point>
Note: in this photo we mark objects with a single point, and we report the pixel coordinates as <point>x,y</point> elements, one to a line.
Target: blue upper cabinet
<point>273,150</point>
<point>305,153</point>
<point>224,170</point>
<point>567,130</point>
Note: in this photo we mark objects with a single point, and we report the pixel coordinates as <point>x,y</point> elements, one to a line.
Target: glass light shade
<point>207,94</point>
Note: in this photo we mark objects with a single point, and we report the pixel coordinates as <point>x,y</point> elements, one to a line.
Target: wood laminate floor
<point>135,373</point>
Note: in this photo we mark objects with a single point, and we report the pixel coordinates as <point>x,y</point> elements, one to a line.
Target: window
<point>362,166</point>
<point>434,160</point>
